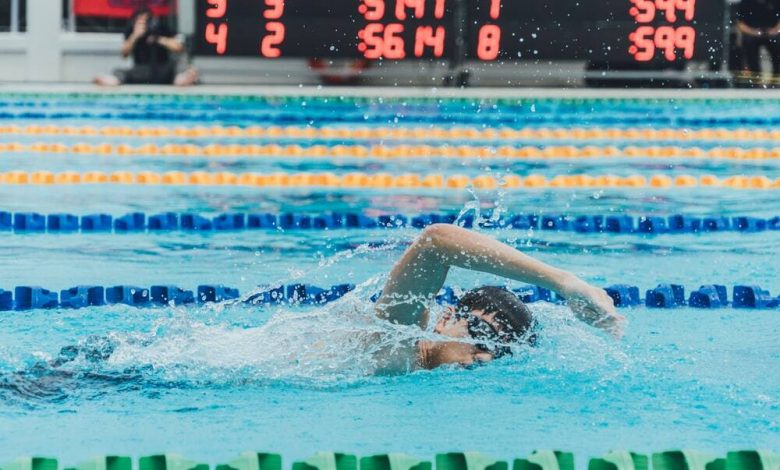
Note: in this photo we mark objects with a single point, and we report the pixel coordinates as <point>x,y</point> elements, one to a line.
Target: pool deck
<point>399,92</point>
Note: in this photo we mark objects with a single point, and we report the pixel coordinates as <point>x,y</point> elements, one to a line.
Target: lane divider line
<point>33,222</point>
<point>707,296</point>
<point>381,151</point>
<point>401,133</point>
<point>386,180</point>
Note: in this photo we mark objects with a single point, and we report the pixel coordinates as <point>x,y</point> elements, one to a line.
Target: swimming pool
<point>211,381</point>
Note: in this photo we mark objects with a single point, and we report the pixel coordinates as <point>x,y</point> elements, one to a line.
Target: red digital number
<point>372,10</point>
<point>688,6</point>
<point>669,9</point>
<point>647,39</point>
<point>378,40</point>
<point>425,37</point>
<point>394,43</point>
<point>685,39</point>
<point>216,8</point>
<point>402,5</point>
<point>670,39</point>
<point>438,9</point>
<point>269,45</point>
<point>664,40</point>
<point>275,9</point>
<point>489,42</point>
<point>371,41</point>
<point>643,47</point>
<point>217,35</point>
<point>644,11</point>
<point>495,9</point>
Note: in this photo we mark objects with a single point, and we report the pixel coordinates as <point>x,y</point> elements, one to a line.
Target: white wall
<point>13,57</point>
<point>42,39</point>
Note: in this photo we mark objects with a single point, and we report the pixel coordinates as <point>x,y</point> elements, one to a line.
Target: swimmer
<point>483,325</point>
<point>491,317</point>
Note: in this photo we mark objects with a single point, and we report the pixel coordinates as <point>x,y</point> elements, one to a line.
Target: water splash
<point>343,344</point>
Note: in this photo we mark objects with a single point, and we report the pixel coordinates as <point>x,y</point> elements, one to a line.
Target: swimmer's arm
<point>420,274</point>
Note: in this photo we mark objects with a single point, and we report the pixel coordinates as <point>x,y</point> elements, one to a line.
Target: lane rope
<point>386,180</point>
<point>542,459</point>
<point>393,151</point>
<point>359,96</point>
<point>400,133</point>
<point>32,222</point>
<point>466,115</point>
<point>665,295</point>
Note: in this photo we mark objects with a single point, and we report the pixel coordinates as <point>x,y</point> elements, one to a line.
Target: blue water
<point>212,381</point>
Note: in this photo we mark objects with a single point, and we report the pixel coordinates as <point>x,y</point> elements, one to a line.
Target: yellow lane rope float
<point>386,180</point>
<point>403,133</point>
<point>395,151</point>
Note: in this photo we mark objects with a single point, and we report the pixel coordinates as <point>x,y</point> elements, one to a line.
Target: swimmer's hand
<point>594,306</point>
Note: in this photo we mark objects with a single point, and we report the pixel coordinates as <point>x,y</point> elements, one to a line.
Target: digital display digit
<point>371,29</point>
<point>638,31</point>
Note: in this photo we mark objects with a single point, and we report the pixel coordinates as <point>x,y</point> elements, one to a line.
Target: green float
<point>253,461</point>
<point>752,460</point>
<point>687,460</point>
<point>468,461</point>
<point>106,462</point>
<point>546,460</point>
<point>328,461</point>
<point>394,462</point>
<point>169,462</point>
<point>620,460</point>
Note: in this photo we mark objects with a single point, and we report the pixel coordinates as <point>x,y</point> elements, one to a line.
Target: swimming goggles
<point>479,329</point>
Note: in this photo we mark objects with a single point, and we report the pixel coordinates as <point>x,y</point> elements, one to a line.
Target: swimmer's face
<point>457,326</point>
<point>450,325</point>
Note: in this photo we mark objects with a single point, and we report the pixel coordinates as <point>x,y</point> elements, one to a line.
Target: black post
<point>458,76</point>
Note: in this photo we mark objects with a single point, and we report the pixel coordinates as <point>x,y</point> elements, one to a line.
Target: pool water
<point>211,381</point>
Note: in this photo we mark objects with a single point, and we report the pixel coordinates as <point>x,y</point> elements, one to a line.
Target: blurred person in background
<point>152,43</point>
<point>759,23</point>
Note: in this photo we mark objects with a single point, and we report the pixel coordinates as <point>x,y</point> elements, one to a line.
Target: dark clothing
<point>751,49</point>
<point>761,14</point>
<point>147,51</point>
<point>152,62</point>
<point>162,74</point>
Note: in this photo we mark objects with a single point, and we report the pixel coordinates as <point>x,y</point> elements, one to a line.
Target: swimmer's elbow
<point>435,235</point>
<point>442,238</point>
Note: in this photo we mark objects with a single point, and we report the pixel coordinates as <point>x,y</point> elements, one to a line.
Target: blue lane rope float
<point>543,459</point>
<point>428,102</point>
<point>663,296</point>
<point>31,222</point>
<point>552,112</point>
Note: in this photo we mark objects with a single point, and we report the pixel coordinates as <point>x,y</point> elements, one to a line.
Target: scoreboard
<point>620,31</point>
<point>600,30</point>
<point>372,29</point>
